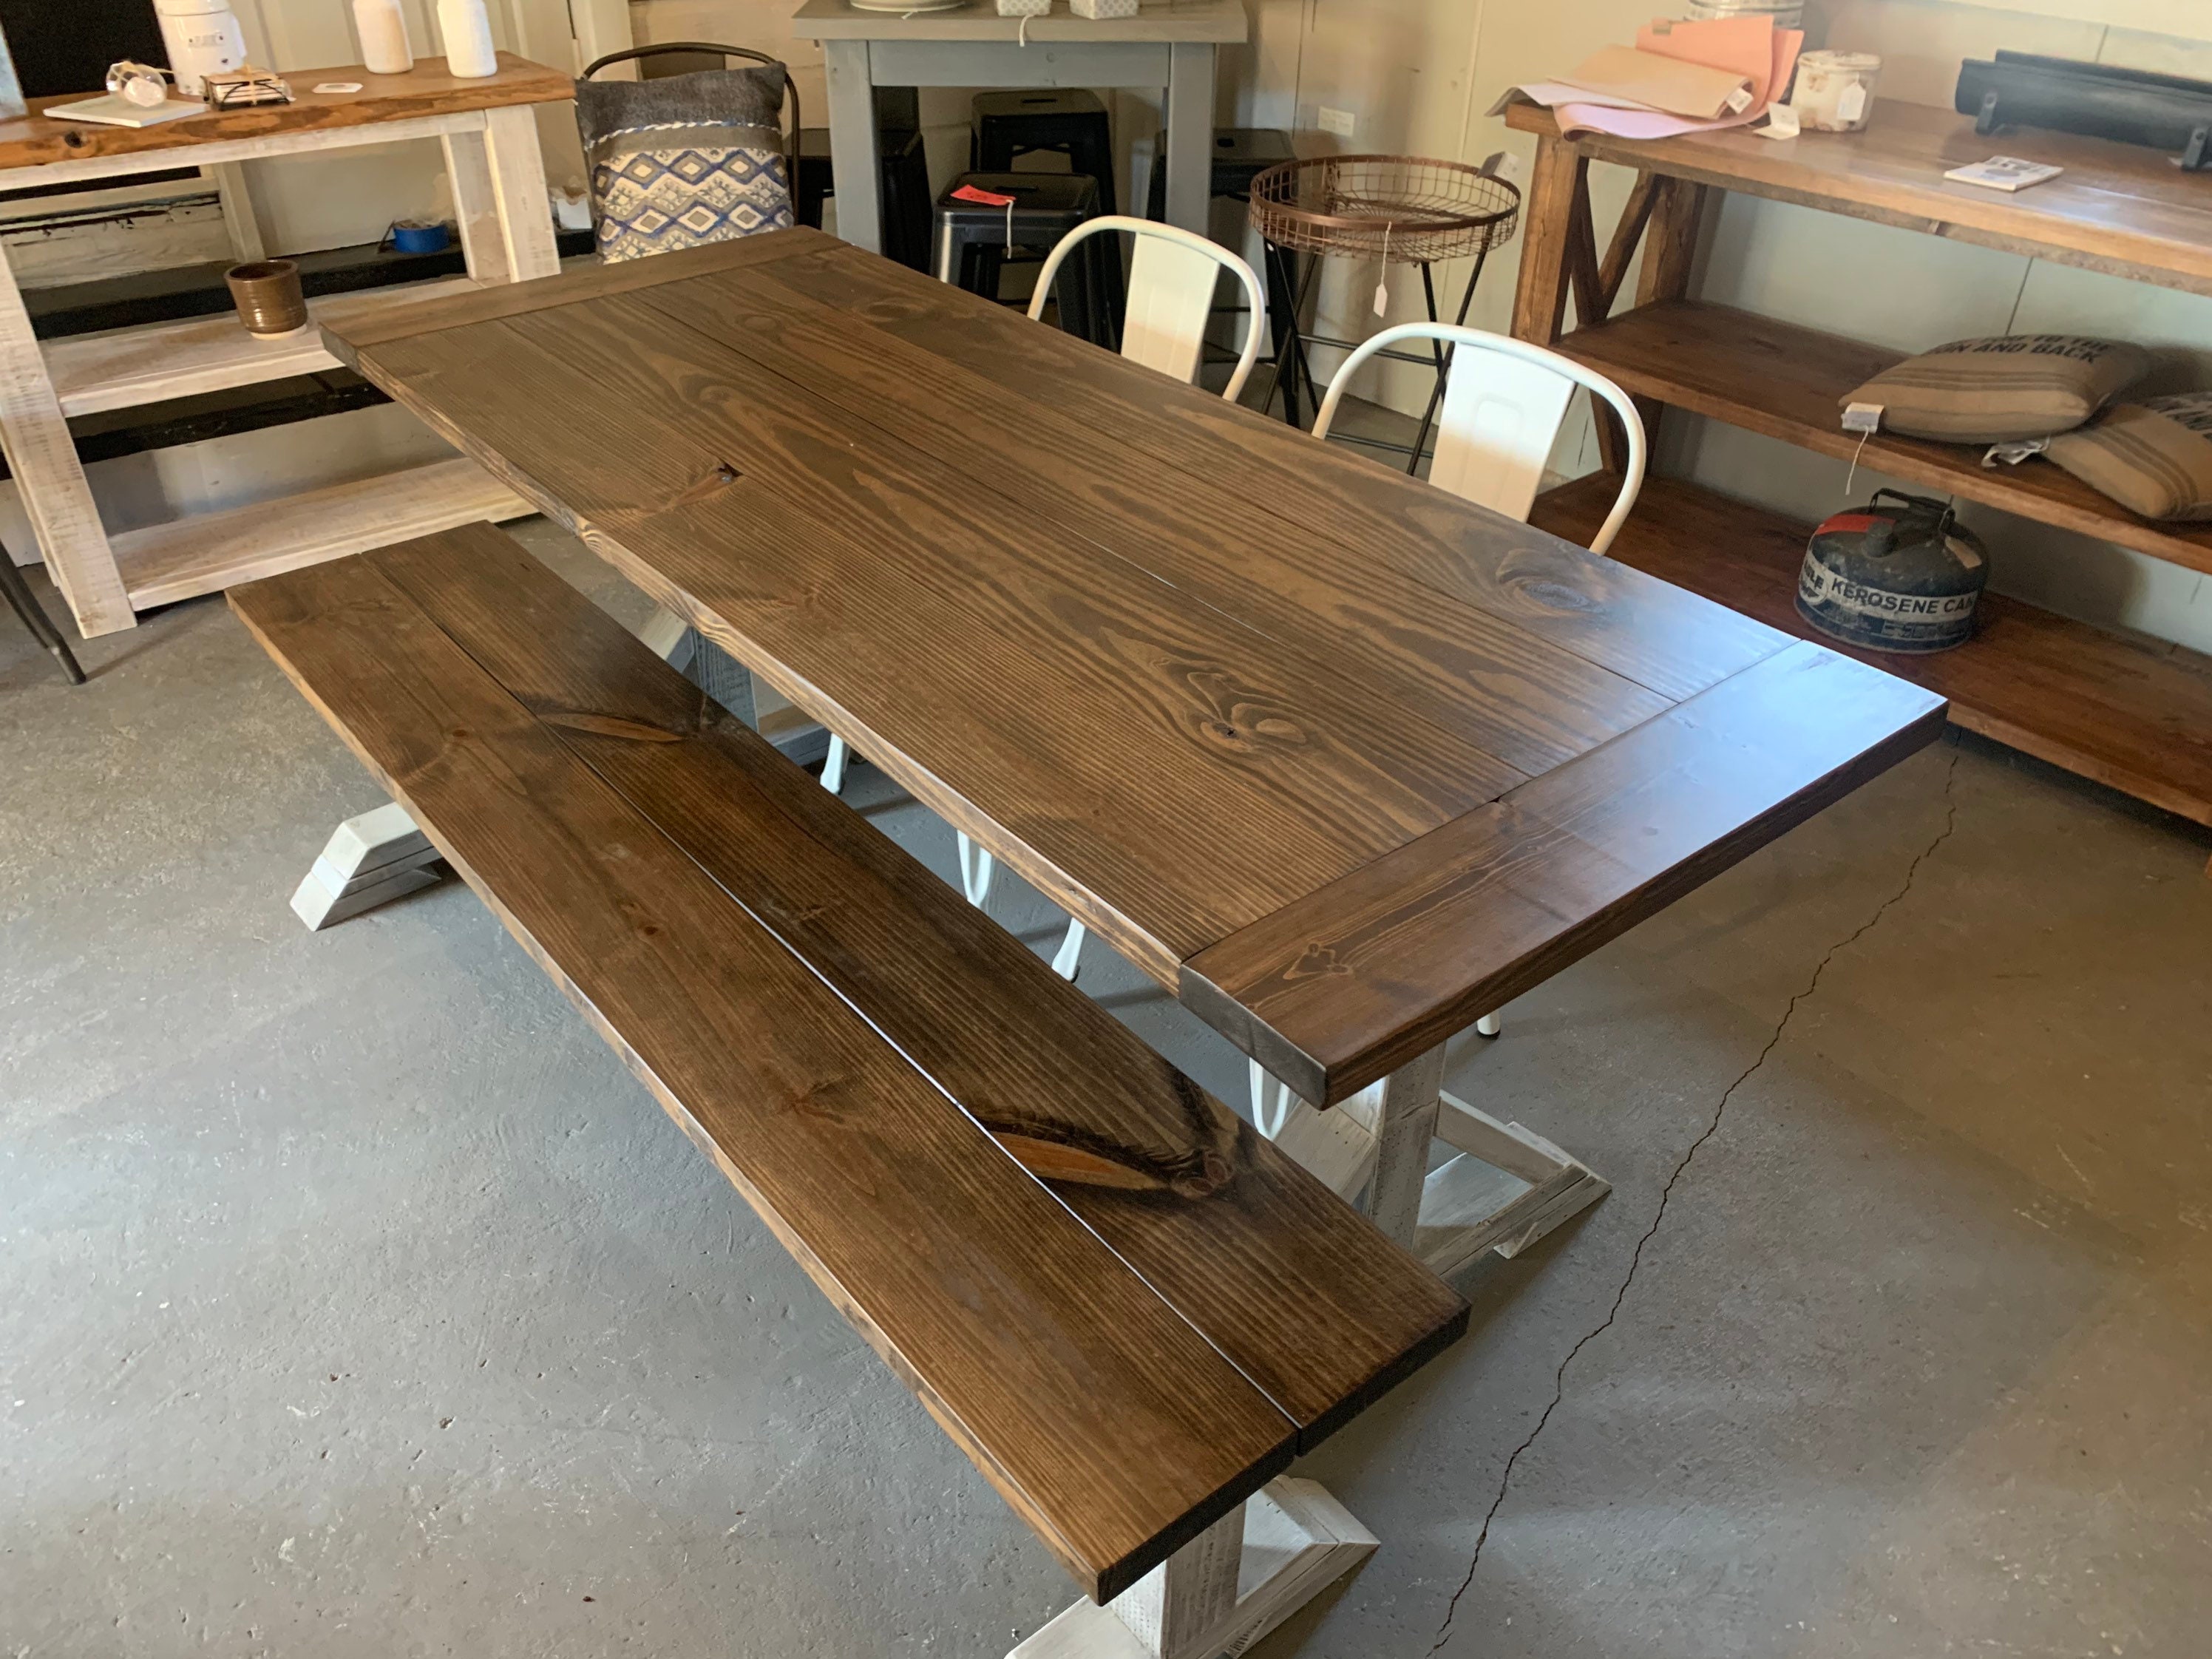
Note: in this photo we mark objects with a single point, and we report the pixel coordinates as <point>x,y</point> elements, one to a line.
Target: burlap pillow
<point>1989,392</point>
<point>2153,457</point>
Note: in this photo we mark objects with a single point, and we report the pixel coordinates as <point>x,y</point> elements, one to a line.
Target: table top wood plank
<point>846,633</point>
<point>1108,1422</point>
<point>1235,824</point>
<point>1364,513</point>
<point>1459,669</point>
<point>838,508</point>
<point>1317,1309</point>
<point>1361,977</point>
<point>2116,207</point>
<point>1259,711</point>
<point>428,88</point>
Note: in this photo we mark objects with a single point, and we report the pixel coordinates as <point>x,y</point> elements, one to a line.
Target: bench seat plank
<point>1313,1305</point>
<point>1104,1418</point>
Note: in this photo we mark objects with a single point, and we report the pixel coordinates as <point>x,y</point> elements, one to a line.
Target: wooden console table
<point>490,139</point>
<point>2130,713</point>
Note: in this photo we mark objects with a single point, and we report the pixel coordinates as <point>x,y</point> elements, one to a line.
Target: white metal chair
<point>1172,276</point>
<point>1504,402</point>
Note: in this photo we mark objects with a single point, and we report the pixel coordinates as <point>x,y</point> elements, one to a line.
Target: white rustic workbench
<point>490,140</point>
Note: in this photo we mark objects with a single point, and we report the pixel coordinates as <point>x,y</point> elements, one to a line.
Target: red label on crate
<point>988,199</point>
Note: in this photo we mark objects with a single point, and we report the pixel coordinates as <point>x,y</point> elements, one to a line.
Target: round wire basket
<point>1403,208</point>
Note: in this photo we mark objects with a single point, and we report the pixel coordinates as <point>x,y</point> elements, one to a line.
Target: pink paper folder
<point>1751,47</point>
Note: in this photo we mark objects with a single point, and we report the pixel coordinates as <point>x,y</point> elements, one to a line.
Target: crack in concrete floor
<point>1667,1192</point>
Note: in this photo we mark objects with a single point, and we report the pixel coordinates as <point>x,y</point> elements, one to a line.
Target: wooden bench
<point>1127,1308</point>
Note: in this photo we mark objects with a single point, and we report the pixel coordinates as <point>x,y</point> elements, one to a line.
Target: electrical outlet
<point>1338,121</point>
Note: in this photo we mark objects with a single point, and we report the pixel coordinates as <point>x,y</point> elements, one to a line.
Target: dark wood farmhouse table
<point>1344,762</point>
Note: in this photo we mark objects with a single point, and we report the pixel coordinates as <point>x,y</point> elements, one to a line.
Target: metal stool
<point>1064,119</point>
<point>1240,156</point>
<point>906,188</point>
<point>973,237</point>
<point>1058,120</point>
<point>1402,209</point>
<point>26,605</point>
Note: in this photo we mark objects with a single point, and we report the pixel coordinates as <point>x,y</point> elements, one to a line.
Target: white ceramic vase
<point>467,29</point>
<point>383,29</point>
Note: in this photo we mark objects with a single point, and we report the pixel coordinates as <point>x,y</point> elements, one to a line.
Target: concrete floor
<point>354,1301</point>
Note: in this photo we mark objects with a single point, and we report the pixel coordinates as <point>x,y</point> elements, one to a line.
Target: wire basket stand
<point>1401,209</point>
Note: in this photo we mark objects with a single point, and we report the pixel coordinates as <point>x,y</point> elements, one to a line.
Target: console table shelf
<point>1785,382</point>
<point>2133,713</point>
<point>489,134</point>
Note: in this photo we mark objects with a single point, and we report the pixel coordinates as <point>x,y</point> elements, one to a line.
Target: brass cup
<point>267,294</point>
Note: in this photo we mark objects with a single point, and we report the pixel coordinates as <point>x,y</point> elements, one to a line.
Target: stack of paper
<point>1679,78</point>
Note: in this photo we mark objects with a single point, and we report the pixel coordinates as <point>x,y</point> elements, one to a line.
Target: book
<point>110,110</point>
<point>2005,173</point>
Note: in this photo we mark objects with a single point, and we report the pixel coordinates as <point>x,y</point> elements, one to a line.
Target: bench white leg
<point>1488,1026</point>
<point>1225,1590</point>
<point>1507,1187</point>
<point>832,766</point>
<point>369,861</point>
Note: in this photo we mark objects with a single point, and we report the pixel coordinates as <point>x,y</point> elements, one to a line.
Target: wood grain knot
<point>1317,961</point>
<point>1198,1174</point>
<point>1549,593</point>
<point>721,478</point>
<point>1248,730</point>
<point>611,725</point>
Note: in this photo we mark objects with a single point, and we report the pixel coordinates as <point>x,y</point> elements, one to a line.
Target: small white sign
<point>2005,173</point>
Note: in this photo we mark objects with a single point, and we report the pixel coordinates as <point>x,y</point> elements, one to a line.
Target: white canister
<point>202,37</point>
<point>469,51</point>
<point>383,29</point>
<point>1835,90</point>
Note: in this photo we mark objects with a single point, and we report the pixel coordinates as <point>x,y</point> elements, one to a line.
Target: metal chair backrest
<point>790,87</point>
<point>1504,401</point>
<point>1171,281</point>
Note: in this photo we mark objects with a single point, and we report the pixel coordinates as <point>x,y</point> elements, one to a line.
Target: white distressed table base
<point>1292,1540</point>
<point>369,861</point>
<point>1507,1187</point>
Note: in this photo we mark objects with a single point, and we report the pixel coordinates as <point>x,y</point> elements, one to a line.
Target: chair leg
<point>1068,961</point>
<point>1271,1101</point>
<point>26,605</point>
<point>976,868</point>
<point>832,766</point>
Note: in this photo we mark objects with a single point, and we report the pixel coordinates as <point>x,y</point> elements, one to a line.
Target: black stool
<point>1240,156</point>
<point>1059,121</point>
<point>27,606</point>
<point>1067,120</point>
<point>906,188</point>
<point>972,238</point>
